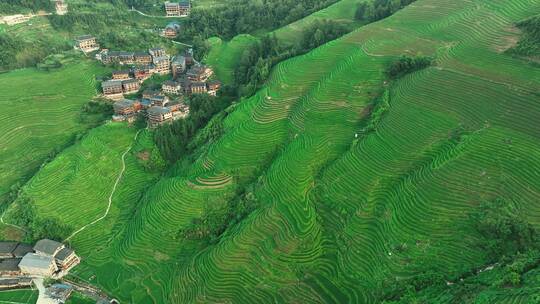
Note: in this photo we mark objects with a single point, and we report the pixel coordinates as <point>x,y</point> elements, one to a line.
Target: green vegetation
<point>40,116</point>
<point>529,43</point>
<point>406,64</point>
<point>25,6</point>
<point>78,298</point>
<point>379,9</point>
<point>225,55</point>
<point>23,296</point>
<point>246,17</point>
<point>330,184</point>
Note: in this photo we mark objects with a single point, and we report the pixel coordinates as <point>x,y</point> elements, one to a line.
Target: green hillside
<point>40,113</point>
<point>333,183</point>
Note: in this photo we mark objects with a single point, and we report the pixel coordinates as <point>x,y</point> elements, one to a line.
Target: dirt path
<point>42,297</point>
<point>112,192</point>
<point>8,224</point>
<point>152,16</point>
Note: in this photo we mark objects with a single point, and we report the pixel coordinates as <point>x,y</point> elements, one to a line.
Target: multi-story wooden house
<point>162,65</point>
<point>112,88</point>
<point>199,73</point>
<point>171,87</point>
<point>213,87</point>
<point>142,58</point>
<point>86,43</point>
<point>158,115</point>
<point>157,52</point>
<point>178,65</point>
<point>198,88</point>
<point>177,9</point>
<point>130,86</point>
<point>159,100</point>
<point>126,107</point>
<point>120,75</point>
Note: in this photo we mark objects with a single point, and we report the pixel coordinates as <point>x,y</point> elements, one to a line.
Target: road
<point>43,298</point>
<point>111,195</point>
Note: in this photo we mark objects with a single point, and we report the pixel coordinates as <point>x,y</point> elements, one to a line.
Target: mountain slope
<point>346,196</point>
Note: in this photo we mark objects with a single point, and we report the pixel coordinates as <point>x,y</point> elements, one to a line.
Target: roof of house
<point>198,84</point>
<point>157,49</point>
<point>22,249</point>
<point>158,110</point>
<point>64,253</point>
<point>120,72</point>
<point>141,54</point>
<point>124,103</point>
<point>47,246</point>
<point>179,59</point>
<point>171,83</point>
<point>128,81</point>
<point>7,247</point>
<point>111,83</point>
<point>122,53</point>
<point>34,260</point>
<point>161,58</point>
<point>10,264</point>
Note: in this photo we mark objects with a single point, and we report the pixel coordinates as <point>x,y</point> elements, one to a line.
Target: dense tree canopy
<point>379,9</point>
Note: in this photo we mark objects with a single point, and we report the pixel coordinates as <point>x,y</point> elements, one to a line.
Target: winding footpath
<point>152,16</point>
<point>112,192</point>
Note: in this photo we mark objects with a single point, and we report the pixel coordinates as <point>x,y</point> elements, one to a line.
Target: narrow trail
<point>8,224</point>
<point>181,43</point>
<point>153,16</point>
<point>120,175</point>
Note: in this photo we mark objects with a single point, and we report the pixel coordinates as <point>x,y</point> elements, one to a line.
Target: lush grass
<point>22,296</point>
<point>342,210</point>
<point>40,113</point>
<point>225,55</point>
<point>78,298</point>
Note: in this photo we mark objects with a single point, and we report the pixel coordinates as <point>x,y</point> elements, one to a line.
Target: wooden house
<point>120,75</point>
<point>86,43</point>
<point>130,86</point>
<point>177,9</point>
<point>171,87</point>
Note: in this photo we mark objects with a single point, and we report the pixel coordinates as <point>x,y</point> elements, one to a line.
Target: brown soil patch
<point>143,155</point>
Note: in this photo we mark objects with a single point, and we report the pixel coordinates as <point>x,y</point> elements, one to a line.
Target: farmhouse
<point>171,87</point>
<point>162,65</point>
<point>199,73</point>
<point>158,115</point>
<point>48,247</point>
<point>171,30</point>
<point>142,73</point>
<point>131,86</point>
<point>38,264</point>
<point>15,19</point>
<point>86,43</point>
<point>178,65</point>
<point>213,87</point>
<point>149,93</point>
<point>126,57</point>
<point>120,75</point>
<point>177,9</point>
<point>126,107</point>
<point>142,58</point>
<point>157,52</point>
<point>198,88</point>
<point>159,100</point>
<point>112,87</point>
<point>6,249</point>
<point>66,258</point>
<point>10,267</point>
<point>61,7</point>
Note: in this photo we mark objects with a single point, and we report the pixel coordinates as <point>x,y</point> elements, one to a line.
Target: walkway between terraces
<point>112,192</point>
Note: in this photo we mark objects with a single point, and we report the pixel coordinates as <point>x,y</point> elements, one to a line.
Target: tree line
<point>23,6</point>
<point>529,43</point>
<point>246,16</point>
<point>379,9</point>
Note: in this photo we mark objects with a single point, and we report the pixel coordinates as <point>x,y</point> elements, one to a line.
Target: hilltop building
<point>130,86</point>
<point>198,88</point>
<point>178,9</point>
<point>178,65</point>
<point>142,58</point>
<point>171,87</point>
<point>213,87</point>
<point>112,89</point>
<point>171,30</point>
<point>120,75</point>
<point>61,7</point>
<point>38,264</point>
<point>86,43</point>
<point>158,115</point>
<point>157,52</point>
<point>162,65</point>
<point>126,107</point>
<point>199,73</point>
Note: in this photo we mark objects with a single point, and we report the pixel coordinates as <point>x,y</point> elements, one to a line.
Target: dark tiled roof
<point>7,247</point>
<point>9,264</point>
<point>158,110</point>
<point>22,249</point>
<point>64,253</point>
<point>111,83</point>
<point>128,81</point>
<point>47,246</point>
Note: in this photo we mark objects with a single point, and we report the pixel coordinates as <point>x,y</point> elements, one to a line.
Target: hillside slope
<point>344,199</point>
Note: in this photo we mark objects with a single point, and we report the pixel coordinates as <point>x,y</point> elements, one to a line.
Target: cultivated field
<point>341,208</point>
<point>22,296</point>
<point>40,113</point>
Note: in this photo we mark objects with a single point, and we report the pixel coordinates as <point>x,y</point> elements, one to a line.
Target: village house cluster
<point>20,262</point>
<point>188,77</point>
<point>177,9</point>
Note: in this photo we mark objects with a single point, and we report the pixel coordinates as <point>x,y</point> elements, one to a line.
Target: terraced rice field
<point>40,112</point>
<point>22,296</point>
<point>336,202</point>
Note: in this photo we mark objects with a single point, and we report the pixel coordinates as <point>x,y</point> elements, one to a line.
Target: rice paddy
<point>341,210</point>
<point>40,113</point>
<point>22,296</point>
